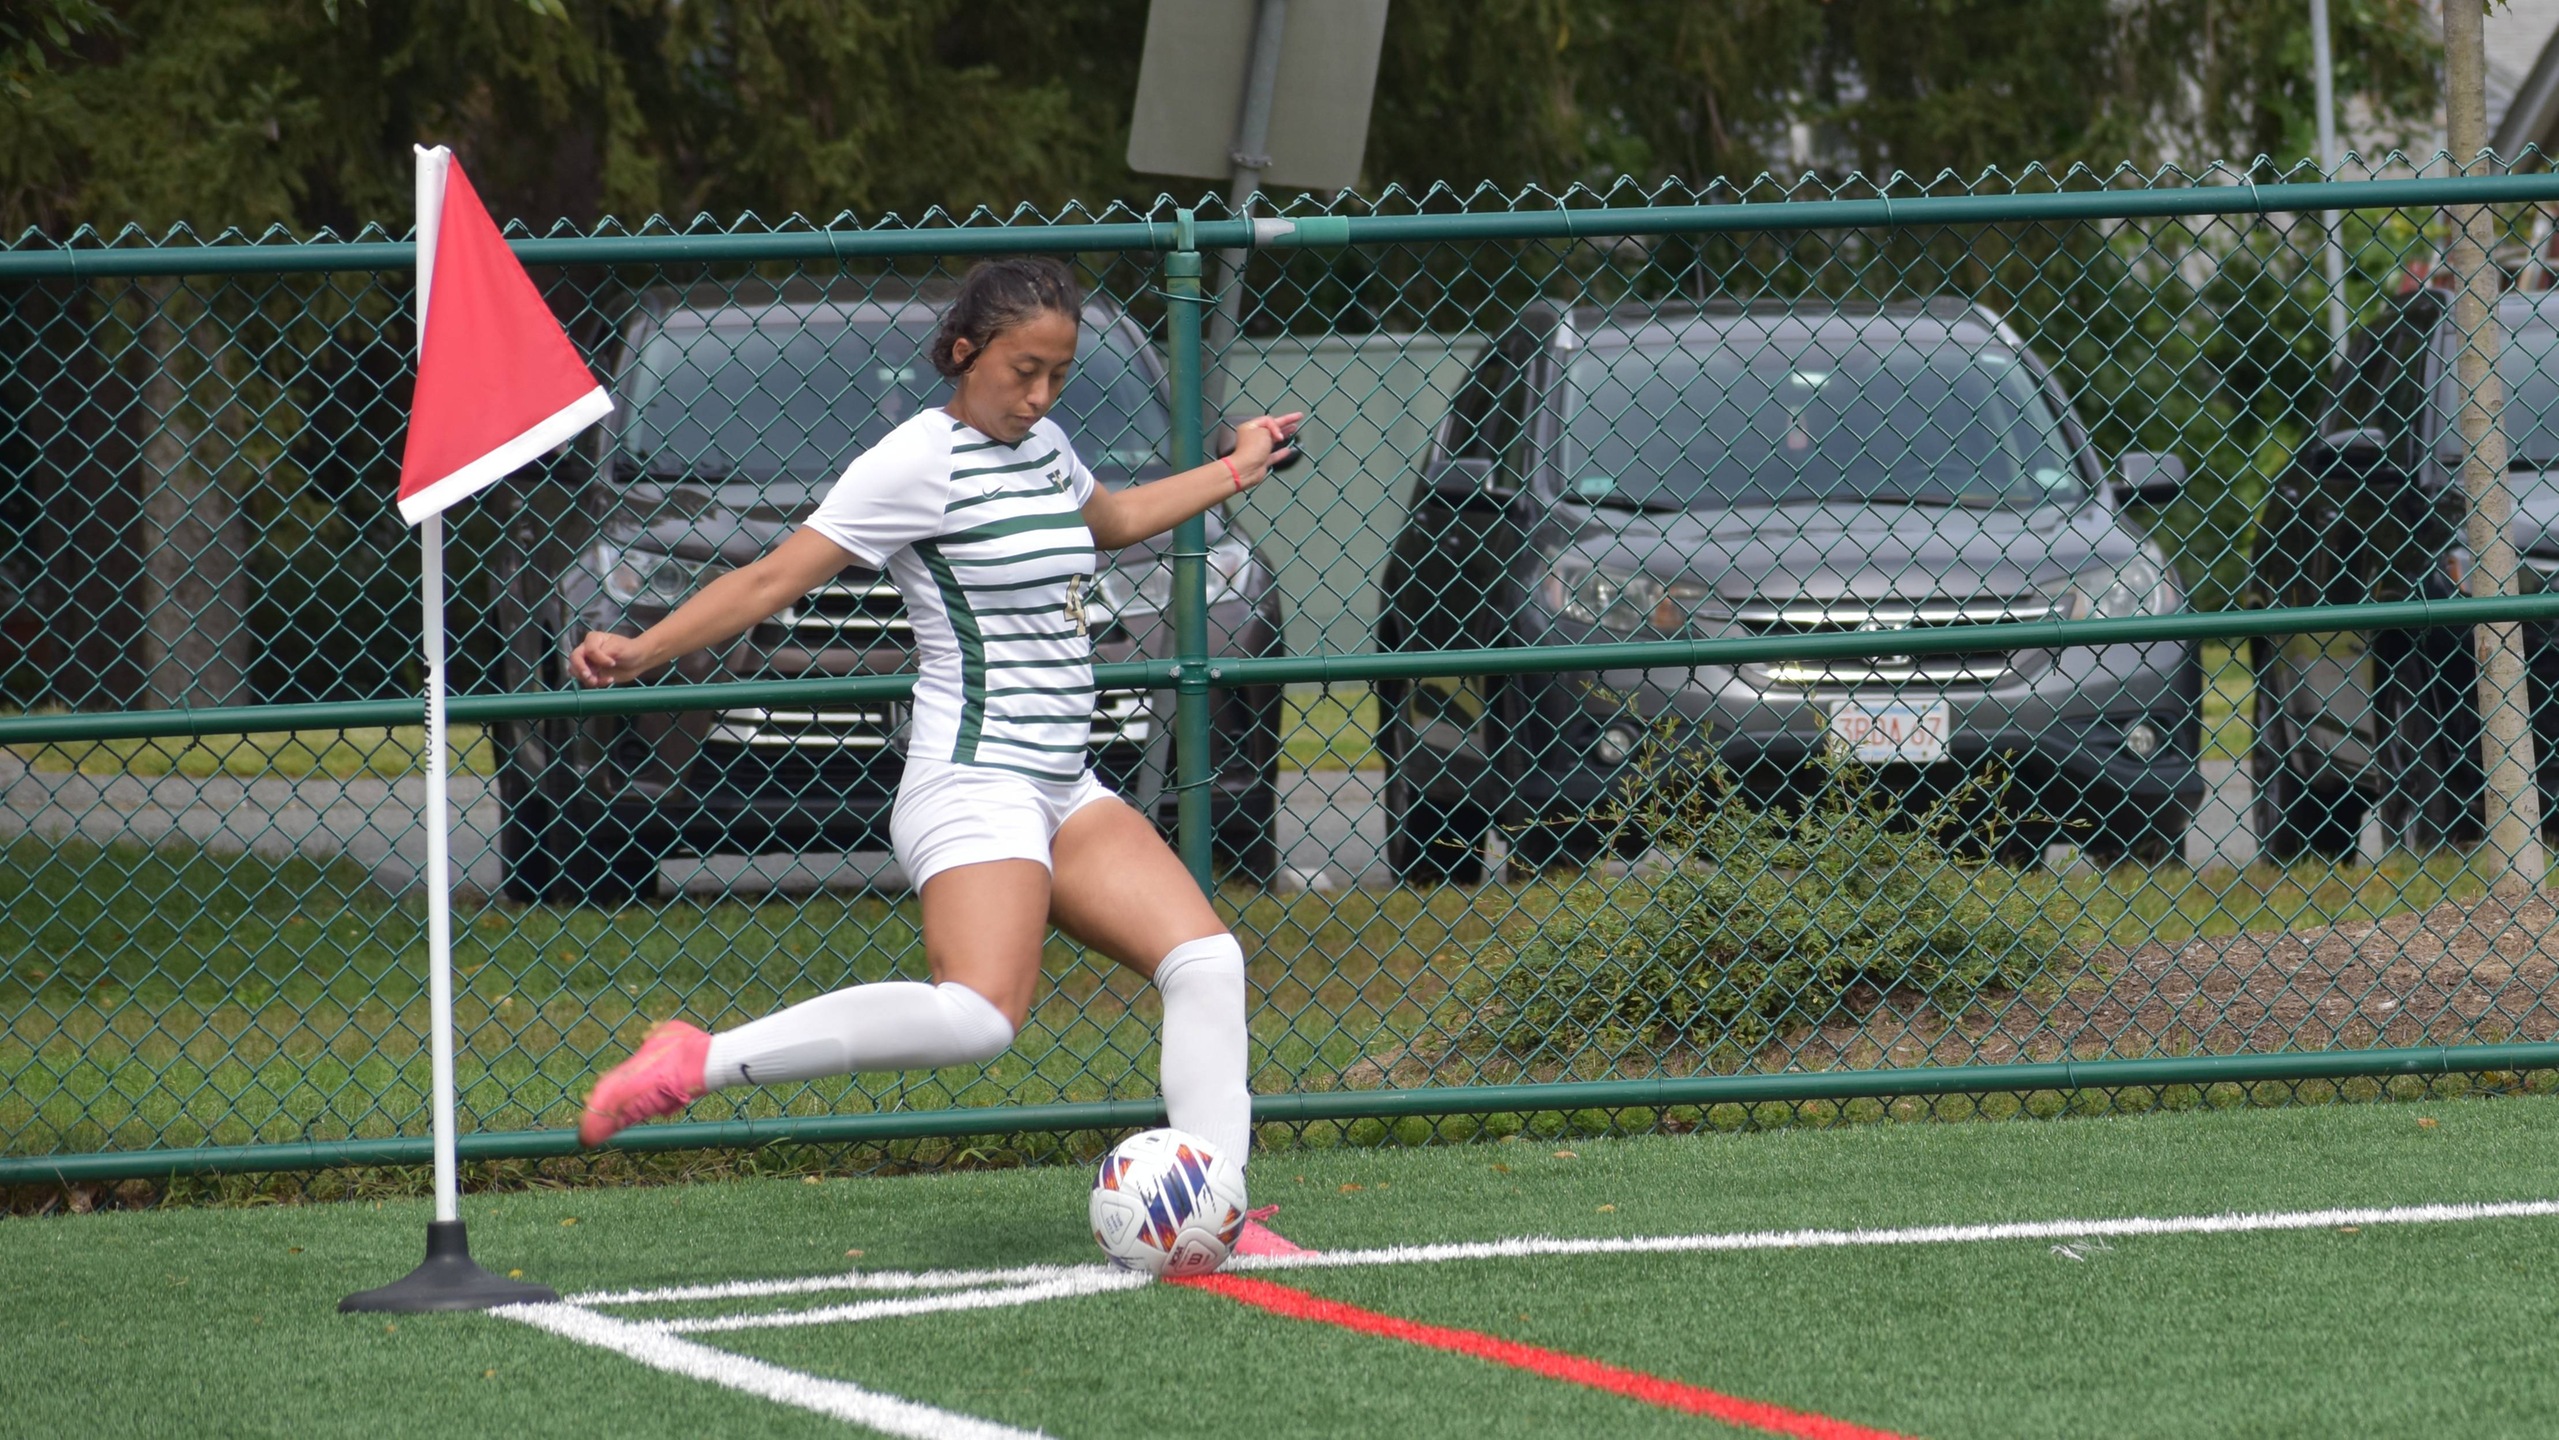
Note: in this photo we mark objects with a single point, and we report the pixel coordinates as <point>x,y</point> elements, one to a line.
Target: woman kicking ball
<point>981,515</point>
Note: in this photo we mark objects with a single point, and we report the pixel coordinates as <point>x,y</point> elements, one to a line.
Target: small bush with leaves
<point>1761,919</point>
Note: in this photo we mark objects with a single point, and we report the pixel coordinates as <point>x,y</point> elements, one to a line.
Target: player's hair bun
<point>997,295</point>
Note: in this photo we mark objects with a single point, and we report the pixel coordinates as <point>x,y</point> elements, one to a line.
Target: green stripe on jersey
<point>1040,494</point>
<point>1016,467</point>
<point>989,587</point>
<point>1039,664</point>
<point>955,603</point>
<point>979,445</point>
<point>1018,525</point>
<point>983,561</point>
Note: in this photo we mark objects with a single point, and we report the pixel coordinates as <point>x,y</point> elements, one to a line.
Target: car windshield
<point>1663,427</point>
<point>796,399</point>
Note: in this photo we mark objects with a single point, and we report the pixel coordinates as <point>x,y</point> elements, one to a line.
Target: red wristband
<point>1232,473</point>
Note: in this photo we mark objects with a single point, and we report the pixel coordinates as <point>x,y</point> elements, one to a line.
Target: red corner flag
<point>499,382</point>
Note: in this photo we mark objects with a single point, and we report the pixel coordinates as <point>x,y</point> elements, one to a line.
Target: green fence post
<point>1184,313</point>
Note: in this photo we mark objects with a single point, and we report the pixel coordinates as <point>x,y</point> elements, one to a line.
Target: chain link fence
<point>1726,652</point>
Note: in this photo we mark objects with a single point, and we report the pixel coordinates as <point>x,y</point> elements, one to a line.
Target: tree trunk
<point>194,547</point>
<point>2514,864</point>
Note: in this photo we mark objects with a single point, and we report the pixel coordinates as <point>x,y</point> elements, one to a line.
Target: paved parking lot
<point>1332,830</point>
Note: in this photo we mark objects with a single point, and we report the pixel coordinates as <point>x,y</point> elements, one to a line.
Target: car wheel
<point>2299,819</point>
<point>1567,842</point>
<point>2146,847</point>
<point>2426,806</point>
<point>527,868</point>
<point>1427,841</point>
<point>1247,843</point>
<point>601,863</point>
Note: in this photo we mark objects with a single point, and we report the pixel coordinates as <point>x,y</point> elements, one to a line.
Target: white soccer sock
<point>1204,1058</point>
<point>894,1025</point>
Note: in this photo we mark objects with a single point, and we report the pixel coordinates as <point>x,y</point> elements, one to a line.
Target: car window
<point>1660,425</point>
<point>2529,364</point>
<point>2385,382</point>
<point>795,398</point>
<point>1485,421</point>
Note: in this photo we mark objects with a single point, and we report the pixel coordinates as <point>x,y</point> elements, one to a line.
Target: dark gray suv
<point>1795,470</point>
<point>733,415</point>
<point>2385,724</point>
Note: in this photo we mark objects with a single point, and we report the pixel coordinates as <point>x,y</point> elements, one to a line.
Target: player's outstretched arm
<point>722,610</point>
<point>1140,512</point>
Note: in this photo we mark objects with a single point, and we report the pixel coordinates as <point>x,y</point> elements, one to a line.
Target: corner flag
<point>499,382</point>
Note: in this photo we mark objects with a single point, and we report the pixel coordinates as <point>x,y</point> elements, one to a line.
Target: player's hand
<point>604,658</point>
<point>1262,444</point>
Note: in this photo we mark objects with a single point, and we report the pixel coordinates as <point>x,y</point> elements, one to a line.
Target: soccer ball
<point>1166,1203</point>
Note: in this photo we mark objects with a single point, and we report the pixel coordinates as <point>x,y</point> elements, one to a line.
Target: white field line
<point>2229,1224</point>
<point>1063,1287</point>
<point>848,1280</point>
<point>839,1399</point>
<point>1533,1246</point>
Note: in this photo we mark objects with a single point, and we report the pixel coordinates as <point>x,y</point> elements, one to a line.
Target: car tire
<point>1427,841</point>
<point>2146,847</point>
<point>528,870</point>
<point>2424,808</point>
<point>601,863</point>
<point>1565,842</point>
<point>549,851</point>
<point>2297,820</point>
<point>1247,845</point>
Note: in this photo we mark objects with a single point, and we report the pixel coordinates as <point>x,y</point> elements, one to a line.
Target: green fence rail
<point>1717,655</point>
<point>1236,672</point>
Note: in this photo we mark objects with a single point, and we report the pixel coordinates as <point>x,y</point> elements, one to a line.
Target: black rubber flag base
<point>448,1280</point>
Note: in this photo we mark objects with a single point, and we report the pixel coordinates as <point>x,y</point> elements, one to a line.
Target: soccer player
<point>982,516</point>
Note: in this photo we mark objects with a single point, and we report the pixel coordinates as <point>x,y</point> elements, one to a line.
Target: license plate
<point>1889,732</point>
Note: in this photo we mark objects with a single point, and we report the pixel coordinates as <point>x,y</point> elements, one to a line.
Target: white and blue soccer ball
<point>1165,1202</point>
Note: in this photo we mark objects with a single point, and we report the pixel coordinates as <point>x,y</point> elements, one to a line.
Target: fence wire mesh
<point>1600,702</point>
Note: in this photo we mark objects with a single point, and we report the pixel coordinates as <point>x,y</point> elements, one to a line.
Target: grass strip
<point>223,1321</point>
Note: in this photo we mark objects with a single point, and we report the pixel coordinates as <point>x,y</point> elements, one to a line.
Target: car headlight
<point>2141,585</point>
<point>1616,600</point>
<point>1149,591</point>
<point>651,577</point>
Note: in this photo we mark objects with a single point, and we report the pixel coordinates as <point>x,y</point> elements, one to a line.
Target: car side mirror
<point>2353,454</point>
<point>1464,477</point>
<point>2149,476</point>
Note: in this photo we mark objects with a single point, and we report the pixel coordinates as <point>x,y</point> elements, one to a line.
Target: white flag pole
<point>439,877</point>
<point>448,1279</point>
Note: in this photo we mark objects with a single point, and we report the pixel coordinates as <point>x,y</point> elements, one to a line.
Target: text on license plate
<point>1882,733</point>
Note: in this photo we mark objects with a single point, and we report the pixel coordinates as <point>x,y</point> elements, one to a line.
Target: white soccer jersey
<point>986,542</point>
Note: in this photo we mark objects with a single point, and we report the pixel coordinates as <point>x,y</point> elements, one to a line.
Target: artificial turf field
<point>222,1321</point>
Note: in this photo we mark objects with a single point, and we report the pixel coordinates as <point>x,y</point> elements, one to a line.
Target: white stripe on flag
<point>462,484</point>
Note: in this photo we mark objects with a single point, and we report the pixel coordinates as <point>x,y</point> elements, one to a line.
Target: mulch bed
<point>2465,972</point>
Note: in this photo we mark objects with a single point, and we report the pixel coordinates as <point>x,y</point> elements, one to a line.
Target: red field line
<point>1554,1364</point>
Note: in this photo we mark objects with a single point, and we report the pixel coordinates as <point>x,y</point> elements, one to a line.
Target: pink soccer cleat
<point>663,1076</point>
<point>1260,1239</point>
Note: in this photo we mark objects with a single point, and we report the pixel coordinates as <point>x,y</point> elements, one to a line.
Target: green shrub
<point>1762,919</point>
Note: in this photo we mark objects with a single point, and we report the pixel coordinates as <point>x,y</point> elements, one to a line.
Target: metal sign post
<point>1298,75</point>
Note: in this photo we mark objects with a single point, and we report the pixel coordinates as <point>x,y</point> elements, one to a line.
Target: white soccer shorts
<point>949,814</point>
